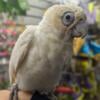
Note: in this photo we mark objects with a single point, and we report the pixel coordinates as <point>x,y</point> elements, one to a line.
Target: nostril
<point>84,18</point>
<point>81,20</point>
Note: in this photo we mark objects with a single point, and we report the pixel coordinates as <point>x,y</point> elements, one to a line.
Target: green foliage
<point>17,7</point>
<point>64,97</point>
<point>4,85</point>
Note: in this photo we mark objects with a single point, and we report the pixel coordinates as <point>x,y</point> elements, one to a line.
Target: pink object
<point>4,53</point>
<point>63,89</point>
<point>9,22</point>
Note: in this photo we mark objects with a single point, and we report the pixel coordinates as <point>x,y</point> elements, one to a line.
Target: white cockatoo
<point>39,54</point>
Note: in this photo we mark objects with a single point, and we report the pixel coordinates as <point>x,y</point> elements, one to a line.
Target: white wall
<point>37,9</point>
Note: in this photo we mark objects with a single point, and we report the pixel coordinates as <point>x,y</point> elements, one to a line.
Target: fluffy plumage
<point>39,54</point>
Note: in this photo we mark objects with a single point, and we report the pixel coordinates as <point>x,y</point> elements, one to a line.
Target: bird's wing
<point>20,51</point>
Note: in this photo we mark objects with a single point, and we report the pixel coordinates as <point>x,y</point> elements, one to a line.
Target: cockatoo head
<point>67,19</point>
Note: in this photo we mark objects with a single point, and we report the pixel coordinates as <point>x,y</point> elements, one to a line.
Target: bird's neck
<point>54,32</point>
<point>50,28</point>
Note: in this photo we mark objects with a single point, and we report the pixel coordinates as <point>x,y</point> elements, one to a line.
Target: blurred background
<point>82,76</point>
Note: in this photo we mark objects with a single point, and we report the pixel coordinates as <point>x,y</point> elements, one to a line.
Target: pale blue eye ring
<point>68,18</point>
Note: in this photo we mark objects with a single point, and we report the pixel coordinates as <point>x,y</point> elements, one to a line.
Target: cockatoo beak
<point>80,30</point>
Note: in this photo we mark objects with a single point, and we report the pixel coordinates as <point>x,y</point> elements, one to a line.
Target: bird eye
<point>68,18</point>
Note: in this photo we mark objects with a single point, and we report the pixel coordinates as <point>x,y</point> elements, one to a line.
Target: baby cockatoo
<point>39,54</point>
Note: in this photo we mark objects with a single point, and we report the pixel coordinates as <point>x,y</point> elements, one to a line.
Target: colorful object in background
<point>85,50</point>
<point>98,14</point>
<point>91,7</point>
<point>95,48</point>
<point>83,80</point>
<point>91,10</point>
<point>9,22</point>
<point>9,32</point>
<point>64,93</point>
<point>64,89</point>
<point>88,50</point>
<point>77,43</point>
<point>91,14</point>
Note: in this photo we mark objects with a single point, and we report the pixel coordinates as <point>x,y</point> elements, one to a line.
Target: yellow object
<point>91,6</point>
<point>98,14</point>
<point>81,97</point>
<point>97,57</point>
<point>77,44</point>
